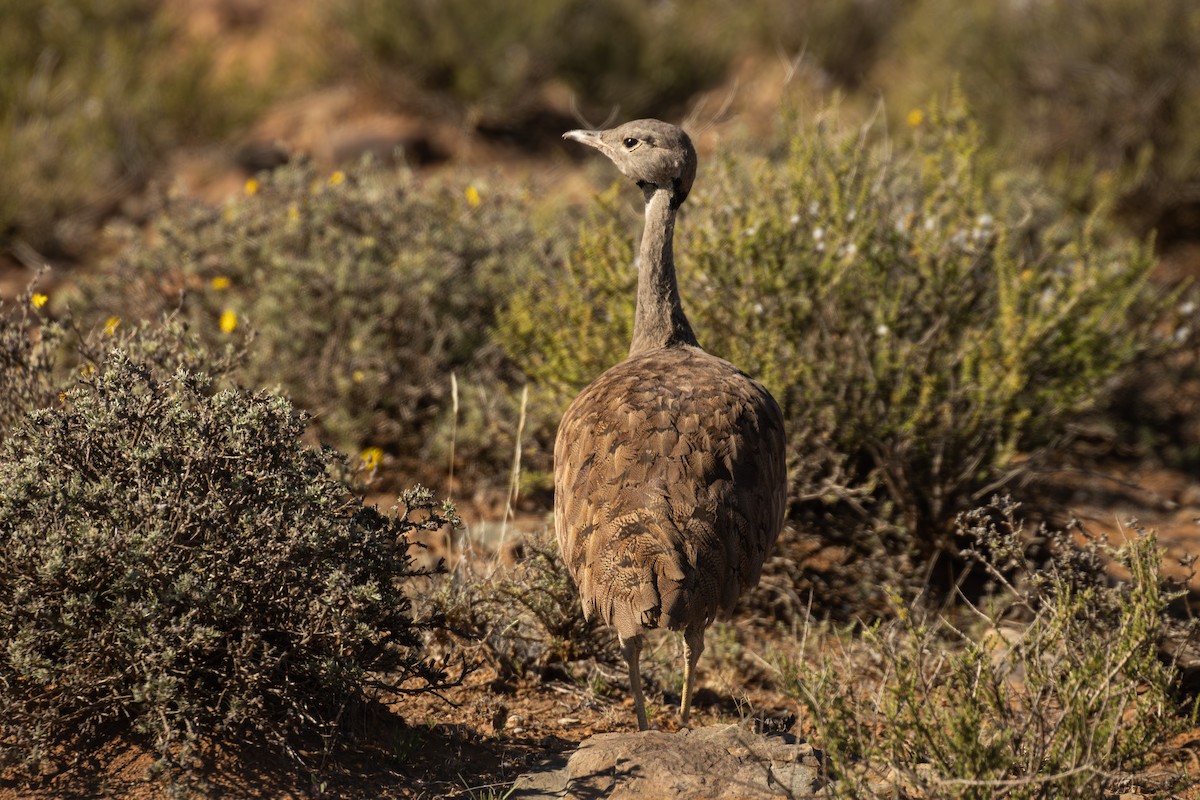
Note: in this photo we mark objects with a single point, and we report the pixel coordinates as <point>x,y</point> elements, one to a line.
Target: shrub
<point>844,39</point>
<point>176,566</point>
<point>496,58</point>
<point>1117,99</point>
<point>925,321</point>
<point>93,93</point>
<point>1058,690</point>
<point>526,615</point>
<point>367,291</point>
<point>28,358</point>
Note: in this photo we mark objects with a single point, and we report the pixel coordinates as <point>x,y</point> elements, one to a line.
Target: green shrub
<point>93,93</point>
<point>925,321</point>
<point>496,58</point>
<point>367,291</point>
<point>1051,690</point>
<point>1118,98</point>
<point>177,567</point>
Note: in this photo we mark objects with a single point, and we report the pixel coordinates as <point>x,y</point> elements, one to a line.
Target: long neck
<point>659,320</point>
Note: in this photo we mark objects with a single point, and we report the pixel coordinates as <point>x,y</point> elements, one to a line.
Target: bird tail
<point>640,583</point>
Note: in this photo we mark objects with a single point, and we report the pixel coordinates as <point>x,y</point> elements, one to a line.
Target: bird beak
<point>590,138</point>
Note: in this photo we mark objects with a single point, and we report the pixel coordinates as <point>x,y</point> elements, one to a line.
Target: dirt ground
<point>475,739</point>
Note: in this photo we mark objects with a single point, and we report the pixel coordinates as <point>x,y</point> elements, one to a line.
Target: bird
<point>670,480</point>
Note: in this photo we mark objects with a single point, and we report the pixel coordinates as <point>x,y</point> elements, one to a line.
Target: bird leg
<point>693,646</point>
<point>631,648</point>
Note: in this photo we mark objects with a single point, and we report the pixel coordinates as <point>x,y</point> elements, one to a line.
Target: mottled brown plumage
<point>669,469</point>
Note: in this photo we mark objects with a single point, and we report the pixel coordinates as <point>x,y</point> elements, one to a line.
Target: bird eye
<point>630,143</point>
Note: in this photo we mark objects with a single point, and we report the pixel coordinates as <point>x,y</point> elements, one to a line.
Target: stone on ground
<point>719,762</point>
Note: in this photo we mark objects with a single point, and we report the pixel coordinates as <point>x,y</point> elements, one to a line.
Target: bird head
<point>656,155</point>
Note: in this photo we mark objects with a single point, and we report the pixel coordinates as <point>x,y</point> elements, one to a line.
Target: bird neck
<point>659,320</point>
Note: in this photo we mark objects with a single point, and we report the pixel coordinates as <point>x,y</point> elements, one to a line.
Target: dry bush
<point>29,356</point>
<point>1053,687</point>
<point>526,617</point>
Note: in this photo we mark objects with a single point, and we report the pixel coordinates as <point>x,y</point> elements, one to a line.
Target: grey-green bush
<point>178,568</point>
<point>366,289</point>
<point>29,358</point>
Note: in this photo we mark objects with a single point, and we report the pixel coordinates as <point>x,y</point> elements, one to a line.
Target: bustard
<point>669,470</point>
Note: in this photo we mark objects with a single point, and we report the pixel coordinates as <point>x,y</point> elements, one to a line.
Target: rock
<point>719,762</point>
<point>339,125</point>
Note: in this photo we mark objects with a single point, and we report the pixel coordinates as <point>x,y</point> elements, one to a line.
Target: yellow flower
<point>38,300</point>
<point>473,199</point>
<point>293,213</point>
<point>337,177</point>
<point>371,457</point>
<point>359,376</point>
<point>1026,274</point>
<point>87,370</point>
<point>915,118</point>
<point>251,187</point>
<point>110,325</point>
<point>229,321</point>
<point>221,282</point>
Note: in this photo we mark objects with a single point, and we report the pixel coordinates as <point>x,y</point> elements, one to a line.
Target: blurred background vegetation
<point>947,236</point>
<point>957,239</point>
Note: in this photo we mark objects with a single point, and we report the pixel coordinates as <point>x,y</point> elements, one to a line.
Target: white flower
<point>1188,307</point>
<point>818,233</point>
<point>882,330</point>
<point>794,218</point>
